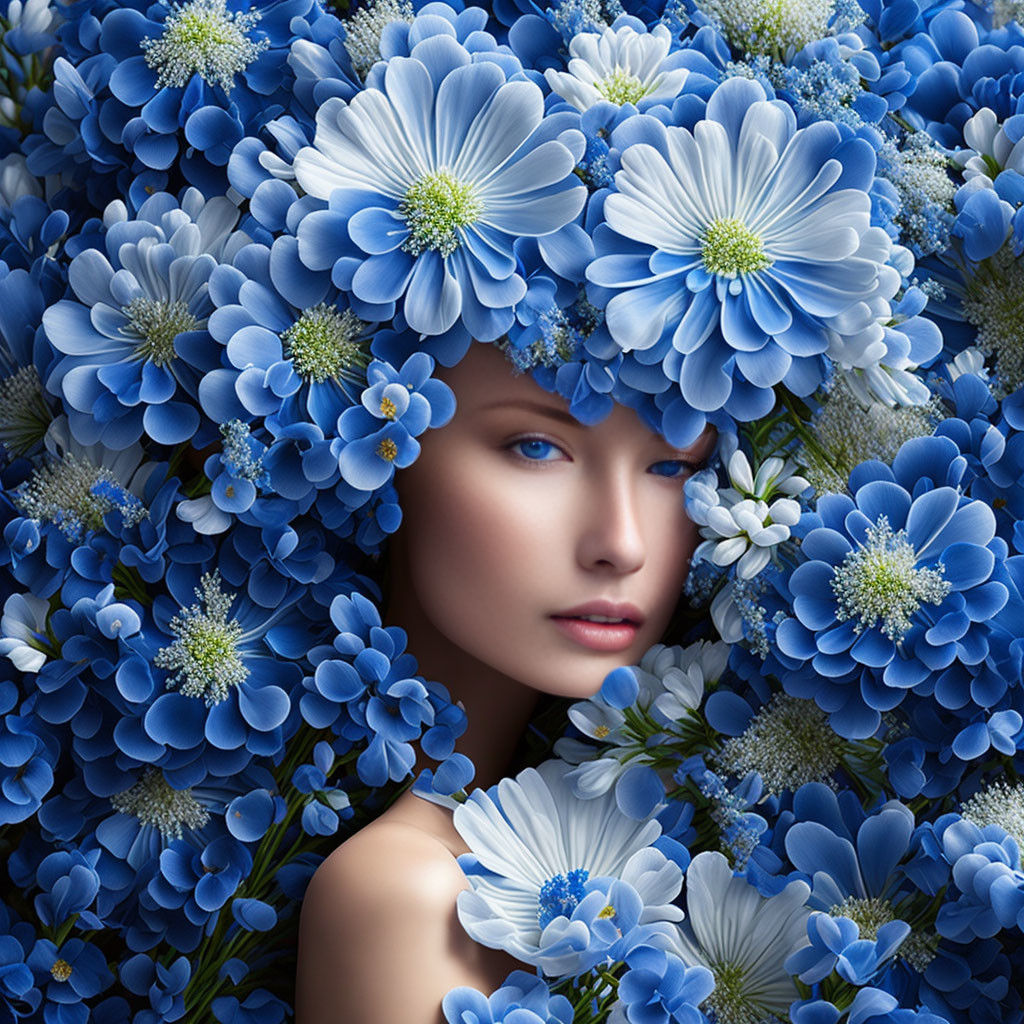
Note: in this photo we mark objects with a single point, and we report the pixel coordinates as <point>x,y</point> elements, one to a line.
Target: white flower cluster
<point>671,682</point>
<point>746,522</point>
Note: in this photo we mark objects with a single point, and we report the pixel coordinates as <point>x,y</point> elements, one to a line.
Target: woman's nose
<point>611,533</point>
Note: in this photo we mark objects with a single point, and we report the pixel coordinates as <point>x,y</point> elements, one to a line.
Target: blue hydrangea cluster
<point>239,242</point>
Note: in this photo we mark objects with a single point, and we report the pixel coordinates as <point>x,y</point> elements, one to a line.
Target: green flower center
<point>435,208</point>
<point>992,306</point>
<point>788,743</point>
<point>998,804</point>
<point>867,914</point>
<point>154,801</point>
<point>621,87</point>
<point>75,495</point>
<point>322,345</point>
<point>203,37</point>
<point>156,323</point>
<point>729,248</point>
<point>880,583</point>
<point>204,658</point>
<point>732,1001</point>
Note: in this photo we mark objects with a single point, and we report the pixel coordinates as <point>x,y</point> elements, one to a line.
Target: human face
<point>518,520</point>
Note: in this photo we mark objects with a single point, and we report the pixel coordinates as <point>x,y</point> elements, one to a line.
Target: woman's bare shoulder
<point>378,854</point>
<point>380,939</point>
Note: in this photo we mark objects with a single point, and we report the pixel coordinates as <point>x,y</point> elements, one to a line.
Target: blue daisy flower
<point>135,337</point>
<point>746,273</point>
<point>895,579</point>
<point>295,351</point>
<point>428,211</point>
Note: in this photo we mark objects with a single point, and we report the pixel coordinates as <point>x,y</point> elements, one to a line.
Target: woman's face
<point>521,525</point>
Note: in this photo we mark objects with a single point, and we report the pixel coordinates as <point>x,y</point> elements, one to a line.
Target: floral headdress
<point>237,241</point>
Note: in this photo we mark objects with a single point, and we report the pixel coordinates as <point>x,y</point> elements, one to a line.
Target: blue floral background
<point>237,243</point>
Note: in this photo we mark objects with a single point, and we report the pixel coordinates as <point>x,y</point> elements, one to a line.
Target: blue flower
<point>896,579</point>
<point>371,695</point>
<point>202,73</point>
<point>397,406</point>
<point>746,286</point>
<point>69,885</point>
<point>433,223</point>
<point>230,664</point>
<point>522,998</point>
<point>857,888</point>
<point>297,353</point>
<point>200,882</point>
<point>535,899</point>
<point>135,337</point>
<point>164,985</point>
<point>68,974</point>
<point>658,988</point>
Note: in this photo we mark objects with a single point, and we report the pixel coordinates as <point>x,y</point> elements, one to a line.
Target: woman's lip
<point>606,610</point>
<point>598,636</point>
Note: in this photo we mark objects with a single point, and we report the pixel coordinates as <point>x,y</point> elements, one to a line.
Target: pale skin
<point>513,513</point>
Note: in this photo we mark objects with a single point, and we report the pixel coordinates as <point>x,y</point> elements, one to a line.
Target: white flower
<point>990,152</point>
<point>24,619</point>
<point>678,676</point>
<point>534,846</point>
<point>619,66</point>
<point>738,523</point>
<point>670,682</point>
<point>743,938</point>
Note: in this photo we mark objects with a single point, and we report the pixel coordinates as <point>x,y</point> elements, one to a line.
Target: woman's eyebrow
<point>539,407</point>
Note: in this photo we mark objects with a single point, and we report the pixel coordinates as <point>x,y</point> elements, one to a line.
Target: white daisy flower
<point>534,847</point>
<point>619,66</point>
<point>743,939</point>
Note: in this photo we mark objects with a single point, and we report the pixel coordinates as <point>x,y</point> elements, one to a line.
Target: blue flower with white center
<point>895,579</point>
<point>619,66</point>
<point>136,336</point>
<point>863,899</point>
<point>428,213</point>
<point>195,77</point>
<point>538,855</point>
<point>296,352</point>
<point>744,245</point>
<point>231,663</point>
<point>396,407</point>
<point>742,938</point>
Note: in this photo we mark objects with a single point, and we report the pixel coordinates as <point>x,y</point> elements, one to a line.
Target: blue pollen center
<point>560,895</point>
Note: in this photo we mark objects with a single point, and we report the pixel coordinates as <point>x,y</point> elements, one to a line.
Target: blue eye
<point>535,449</point>
<point>671,468</point>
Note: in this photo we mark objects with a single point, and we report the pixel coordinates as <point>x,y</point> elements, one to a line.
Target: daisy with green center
<point>619,66</point>
<point>743,939</point>
<point>737,249</point>
<point>425,211</point>
<point>893,581</point>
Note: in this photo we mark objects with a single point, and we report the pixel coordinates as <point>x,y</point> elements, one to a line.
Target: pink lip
<point>609,609</point>
<point>601,636</point>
